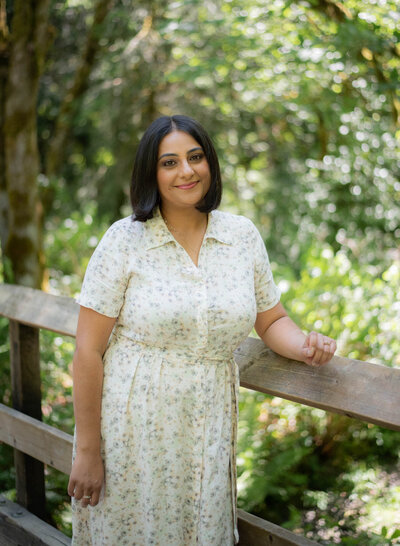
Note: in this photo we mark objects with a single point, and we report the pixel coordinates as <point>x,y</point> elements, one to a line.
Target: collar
<point>157,233</point>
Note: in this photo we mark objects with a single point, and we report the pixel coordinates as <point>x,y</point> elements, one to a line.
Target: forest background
<point>302,101</point>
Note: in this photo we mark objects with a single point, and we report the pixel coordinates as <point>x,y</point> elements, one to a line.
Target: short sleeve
<point>105,280</point>
<point>266,292</point>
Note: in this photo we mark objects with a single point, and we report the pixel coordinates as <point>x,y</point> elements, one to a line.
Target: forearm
<point>285,338</point>
<point>88,383</point>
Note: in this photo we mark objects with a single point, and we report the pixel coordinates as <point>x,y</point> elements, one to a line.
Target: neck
<point>185,219</point>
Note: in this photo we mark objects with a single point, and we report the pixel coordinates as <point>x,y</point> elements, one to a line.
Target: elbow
<point>84,354</point>
<point>267,318</point>
<point>273,322</point>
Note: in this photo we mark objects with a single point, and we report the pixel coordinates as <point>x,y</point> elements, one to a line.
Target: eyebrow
<point>176,155</point>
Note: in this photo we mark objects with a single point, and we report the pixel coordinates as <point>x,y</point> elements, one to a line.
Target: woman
<point>178,286</point>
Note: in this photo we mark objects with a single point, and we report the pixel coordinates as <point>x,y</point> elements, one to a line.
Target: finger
<point>86,498</point>
<point>308,352</point>
<point>326,351</point>
<point>95,498</point>
<point>309,347</point>
<point>71,487</point>
<point>319,349</point>
<point>78,492</point>
<point>330,348</point>
<point>313,339</point>
<point>321,342</point>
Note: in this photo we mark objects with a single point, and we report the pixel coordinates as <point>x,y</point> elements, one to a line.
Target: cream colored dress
<point>169,403</point>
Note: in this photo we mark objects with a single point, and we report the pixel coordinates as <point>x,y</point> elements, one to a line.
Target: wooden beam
<point>362,390</point>
<point>19,527</point>
<point>54,448</point>
<point>41,441</point>
<point>254,531</point>
<point>27,398</point>
<point>39,309</point>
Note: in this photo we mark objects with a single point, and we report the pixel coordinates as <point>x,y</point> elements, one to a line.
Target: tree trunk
<point>4,58</point>
<point>27,52</point>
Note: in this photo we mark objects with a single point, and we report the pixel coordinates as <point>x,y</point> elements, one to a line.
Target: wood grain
<point>18,527</point>
<point>54,448</point>
<point>41,441</point>
<point>362,390</point>
<point>256,531</point>
<point>27,398</point>
<point>358,389</point>
<point>37,308</point>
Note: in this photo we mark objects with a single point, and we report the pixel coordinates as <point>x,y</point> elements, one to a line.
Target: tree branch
<point>78,87</point>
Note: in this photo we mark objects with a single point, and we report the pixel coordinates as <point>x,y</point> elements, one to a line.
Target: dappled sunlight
<point>303,104</point>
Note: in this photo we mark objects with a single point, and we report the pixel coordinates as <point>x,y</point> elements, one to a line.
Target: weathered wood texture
<point>18,527</point>
<point>254,530</point>
<point>54,447</point>
<point>363,390</point>
<point>36,308</point>
<point>41,441</point>
<point>26,394</point>
<point>358,389</point>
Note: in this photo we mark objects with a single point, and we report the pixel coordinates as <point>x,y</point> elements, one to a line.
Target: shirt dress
<point>170,388</point>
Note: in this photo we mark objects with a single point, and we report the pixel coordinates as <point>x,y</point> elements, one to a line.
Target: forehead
<point>177,142</point>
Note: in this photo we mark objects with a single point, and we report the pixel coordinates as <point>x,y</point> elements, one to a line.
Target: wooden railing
<point>358,389</point>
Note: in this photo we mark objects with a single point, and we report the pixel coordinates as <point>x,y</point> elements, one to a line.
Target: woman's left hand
<point>318,349</point>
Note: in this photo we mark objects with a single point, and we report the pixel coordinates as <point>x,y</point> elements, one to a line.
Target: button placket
<point>198,291</point>
<point>201,290</point>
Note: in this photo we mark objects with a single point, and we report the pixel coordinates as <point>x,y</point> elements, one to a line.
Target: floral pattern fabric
<point>169,401</point>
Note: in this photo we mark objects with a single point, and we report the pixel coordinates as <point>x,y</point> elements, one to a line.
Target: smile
<point>188,186</point>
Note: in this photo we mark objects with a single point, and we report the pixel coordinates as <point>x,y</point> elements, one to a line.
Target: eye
<point>169,163</point>
<point>197,157</point>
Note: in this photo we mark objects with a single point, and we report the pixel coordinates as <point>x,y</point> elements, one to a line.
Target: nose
<point>186,170</point>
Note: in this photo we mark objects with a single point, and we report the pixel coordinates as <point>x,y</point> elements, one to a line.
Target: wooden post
<point>27,398</point>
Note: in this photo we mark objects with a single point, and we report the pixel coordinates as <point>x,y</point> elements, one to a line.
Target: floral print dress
<point>169,402</point>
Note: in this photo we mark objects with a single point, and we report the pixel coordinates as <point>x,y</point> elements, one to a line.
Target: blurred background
<point>302,101</point>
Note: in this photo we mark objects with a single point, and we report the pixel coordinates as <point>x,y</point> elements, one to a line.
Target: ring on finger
<point>86,497</point>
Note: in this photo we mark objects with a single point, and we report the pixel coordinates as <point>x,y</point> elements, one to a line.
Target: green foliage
<point>302,102</point>
<point>326,475</point>
<point>7,474</point>
<point>355,304</point>
<point>69,242</point>
<point>323,475</point>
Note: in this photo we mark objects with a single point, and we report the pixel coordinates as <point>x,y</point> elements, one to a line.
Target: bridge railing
<point>361,390</point>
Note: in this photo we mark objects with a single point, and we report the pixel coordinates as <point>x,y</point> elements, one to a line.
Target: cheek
<point>163,181</point>
<point>205,171</point>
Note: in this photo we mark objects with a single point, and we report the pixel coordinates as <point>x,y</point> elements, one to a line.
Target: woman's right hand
<point>86,479</point>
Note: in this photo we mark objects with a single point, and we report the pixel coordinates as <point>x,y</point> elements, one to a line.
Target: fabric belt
<point>196,355</point>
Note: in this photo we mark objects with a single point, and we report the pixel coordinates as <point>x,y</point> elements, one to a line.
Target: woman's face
<point>183,173</point>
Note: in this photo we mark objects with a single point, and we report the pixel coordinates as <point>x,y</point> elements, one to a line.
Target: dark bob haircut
<point>144,190</point>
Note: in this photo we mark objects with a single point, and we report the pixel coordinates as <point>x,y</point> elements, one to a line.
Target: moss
<point>21,203</point>
<point>18,247</point>
<point>19,120</point>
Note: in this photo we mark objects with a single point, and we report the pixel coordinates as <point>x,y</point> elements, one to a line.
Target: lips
<point>188,186</point>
